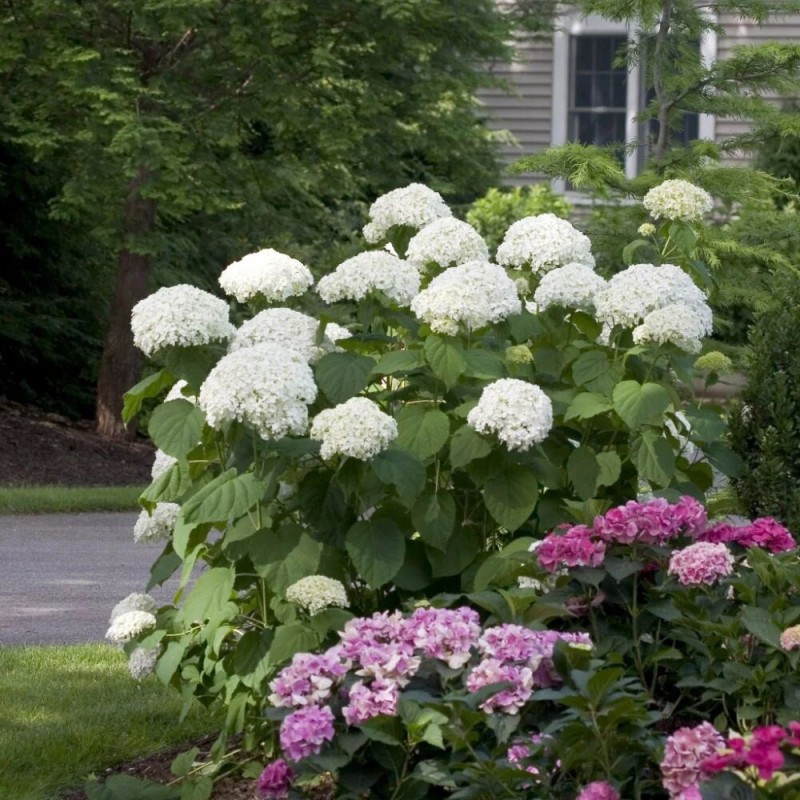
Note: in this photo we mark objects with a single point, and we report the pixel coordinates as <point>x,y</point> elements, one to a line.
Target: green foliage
<point>764,426</point>
<point>492,214</point>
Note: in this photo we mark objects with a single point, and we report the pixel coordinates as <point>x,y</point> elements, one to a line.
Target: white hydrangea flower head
<point>273,275</point>
<point>356,428</point>
<point>158,525</point>
<point>414,205</point>
<point>336,332</point>
<point>630,295</point>
<point>676,324</point>
<point>518,412</point>
<point>176,392</point>
<point>179,316</point>
<point>136,601</point>
<point>373,271</point>
<point>447,242</point>
<point>161,464</point>
<point>142,662</point>
<point>570,286</point>
<point>287,328</point>
<point>678,200</point>
<point>129,625</point>
<point>316,593</point>
<point>472,294</point>
<point>544,242</point>
<point>267,386</point>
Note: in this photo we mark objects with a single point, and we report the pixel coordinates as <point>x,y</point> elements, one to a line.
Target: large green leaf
<point>423,430</point>
<point>446,357</point>
<point>176,427</point>
<point>610,468</point>
<point>467,445</point>
<point>211,591</point>
<point>167,487</point>
<point>724,459</point>
<point>640,403</point>
<point>401,468</point>
<point>759,622</point>
<point>511,495</point>
<point>398,361</point>
<point>377,549</point>
<point>484,364</point>
<point>589,366</point>
<point>284,556</point>
<point>228,496</point>
<point>290,639</point>
<point>434,517</point>
<point>653,458</point>
<point>460,552</point>
<point>583,471</point>
<point>587,405</point>
<point>341,376</point>
<point>705,424</point>
<point>151,386</point>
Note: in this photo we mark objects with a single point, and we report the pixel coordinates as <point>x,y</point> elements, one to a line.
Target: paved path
<point>61,574</point>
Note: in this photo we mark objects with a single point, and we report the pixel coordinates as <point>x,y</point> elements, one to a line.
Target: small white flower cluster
<point>179,316</point>
<point>136,601</point>
<point>415,206</point>
<point>630,295</point>
<point>161,464</point>
<point>544,242</point>
<point>273,275</point>
<point>447,242</point>
<point>472,294</point>
<point>158,525</point>
<point>678,200</point>
<point>356,428</point>
<point>519,413</point>
<point>266,386</point>
<point>142,662</point>
<point>287,328</point>
<point>570,286</point>
<point>373,271</point>
<point>317,592</point>
<point>676,324</point>
<point>176,392</point>
<point>129,625</point>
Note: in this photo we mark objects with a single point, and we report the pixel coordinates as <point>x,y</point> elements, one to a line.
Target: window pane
<point>583,91</point>
<point>584,48</point>
<point>618,90</point>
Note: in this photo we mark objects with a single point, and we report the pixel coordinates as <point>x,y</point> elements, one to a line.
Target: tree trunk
<point>121,361</point>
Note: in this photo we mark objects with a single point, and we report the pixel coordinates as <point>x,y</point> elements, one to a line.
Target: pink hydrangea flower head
<point>701,563</point>
<point>510,700</point>
<point>443,633</point>
<point>719,533</point>
<point>366,702</point>
<point>510,643</point>
<point>598,790</point>
<point>767,534</point>
<point>304,731</point>
<point>790,638</point>
<point>309,680</point>
<point>764,751</point>
<point>575,548</point>
<point>275,780</point>
<point>684,754</point>
<point>691,515</point>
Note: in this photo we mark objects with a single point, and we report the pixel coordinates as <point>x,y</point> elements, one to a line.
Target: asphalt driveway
<point>61,574</point>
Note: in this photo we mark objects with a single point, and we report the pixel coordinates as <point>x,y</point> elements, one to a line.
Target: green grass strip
<point>70,711</point>
<point>55,499</point>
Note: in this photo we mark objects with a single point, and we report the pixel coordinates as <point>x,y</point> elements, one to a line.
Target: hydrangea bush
<point>399,430</point>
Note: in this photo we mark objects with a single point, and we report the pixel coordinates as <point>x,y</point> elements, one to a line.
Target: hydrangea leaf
<point>176,427</point>
<point>228,496</point>
<point>583,471</point>
<point>211,591</point>
<point>284,556</point>
<point>446,358</point>
<point>415,574</point>
<point>167,487</point>
<point>724,459</point>
<point>401,468</point>
<point>467,445</point>
<point>398,361</point>
<point>640,403</point>
<point>377,549</point>
<point>653,458</point>
<point>434,517</point>
<point>610,468</point>
<point>459,554</point>
<point>589,366</point>
<point>511,496</point>
<point>151,386</point>
<point>484,364</point>
<point>758,621</point>
<point>341,376</point>
<point>704,424</point>
<point>422,430</point>
<point>296,637</point>
<point>587,405</point>
<point>192,364</point>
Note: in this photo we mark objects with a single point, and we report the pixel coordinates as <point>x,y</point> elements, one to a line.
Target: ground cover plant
<point>61,499</point>
<point>425,429</point>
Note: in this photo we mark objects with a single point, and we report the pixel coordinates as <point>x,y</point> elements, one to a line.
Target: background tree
<point>265,121</point>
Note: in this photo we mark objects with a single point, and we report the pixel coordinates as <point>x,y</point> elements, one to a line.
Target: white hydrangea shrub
<point>520,414</point>
<point>273,275</point>
<point>136,601</point>
<point>356,428</point>
<point>570,286</point>
<point>158,525</point>
<point>414,205</point>
<point>267,386</point>
<point>129,625</point>
<point>375,270</point>
<point>678,200</point>
<point>177,393</point>
<point>447,242</point>
<point>179,316</point>
<point>316,593</point>
<point>142,662</point>
<point>676,324</point>
<point>544,242</point>
<point>161,463</point>
<point>472,294</point>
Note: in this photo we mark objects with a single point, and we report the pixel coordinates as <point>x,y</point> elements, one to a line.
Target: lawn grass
<point>55,499</point>
<point>68,711</point>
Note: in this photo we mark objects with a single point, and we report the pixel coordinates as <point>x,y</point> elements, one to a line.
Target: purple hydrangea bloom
<point>443,633</point>
<point>598,790</point>
<point>509,700</point>
<point>304,731</point>
<point>275,780</point>
<point>308,681</point>
<point>368,701</point>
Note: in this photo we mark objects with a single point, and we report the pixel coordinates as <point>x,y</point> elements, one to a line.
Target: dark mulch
<point>38,448</point>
